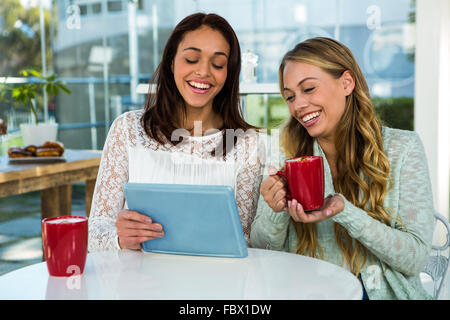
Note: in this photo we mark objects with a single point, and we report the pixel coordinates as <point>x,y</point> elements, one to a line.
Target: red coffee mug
<point>65,243</point>
<point>305,179</point>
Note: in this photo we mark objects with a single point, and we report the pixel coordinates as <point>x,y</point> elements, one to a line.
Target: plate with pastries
<point>50,151</point>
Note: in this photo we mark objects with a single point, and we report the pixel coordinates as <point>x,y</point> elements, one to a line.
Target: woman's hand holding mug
<point>133,228</point>
<point>274,191</point>
<point>332,205</point>
<point>301,190</point>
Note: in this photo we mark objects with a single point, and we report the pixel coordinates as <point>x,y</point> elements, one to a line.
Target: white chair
<point>438,264</point>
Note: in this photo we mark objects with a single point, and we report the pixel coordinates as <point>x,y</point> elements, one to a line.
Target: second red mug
<point>305,179</point>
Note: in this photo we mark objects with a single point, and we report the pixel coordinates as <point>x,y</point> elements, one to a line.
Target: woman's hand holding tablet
<point>134,228</point>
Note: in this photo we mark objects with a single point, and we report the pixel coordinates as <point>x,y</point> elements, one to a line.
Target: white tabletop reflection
<point>126,274</point>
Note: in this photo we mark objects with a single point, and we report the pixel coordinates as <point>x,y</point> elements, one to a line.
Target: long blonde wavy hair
<point>363,167</point>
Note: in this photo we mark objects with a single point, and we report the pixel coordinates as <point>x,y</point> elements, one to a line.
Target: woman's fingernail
<point>329,212</point>
<point>148,220</point>
<point>289,203</point>
<point>299,206</point>
<point>271,171</point>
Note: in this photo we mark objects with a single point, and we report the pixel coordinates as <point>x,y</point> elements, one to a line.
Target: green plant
<point>395,112</point>
<point>26,94</point>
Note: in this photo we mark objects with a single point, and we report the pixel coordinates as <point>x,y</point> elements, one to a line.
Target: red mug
<point>65,243</point>
<point>305,179</point>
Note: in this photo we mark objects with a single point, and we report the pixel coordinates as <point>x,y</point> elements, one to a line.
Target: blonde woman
<point>377,218</point>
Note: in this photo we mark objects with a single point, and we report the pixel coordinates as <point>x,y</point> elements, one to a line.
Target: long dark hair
<point>162,114</point>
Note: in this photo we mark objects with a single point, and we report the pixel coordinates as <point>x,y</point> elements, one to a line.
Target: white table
<point>126,274</point>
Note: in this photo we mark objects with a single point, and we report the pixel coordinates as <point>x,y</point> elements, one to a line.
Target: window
<point>380,34</point>
<point>96,8</point>
<point>140,5</point>
<point>83,9</point>
<point>114,6</point>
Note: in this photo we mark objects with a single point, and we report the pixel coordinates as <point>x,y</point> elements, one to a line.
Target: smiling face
<point>200,66</point>
<point>315,98</point>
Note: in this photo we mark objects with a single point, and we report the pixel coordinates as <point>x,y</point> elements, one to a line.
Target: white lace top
<point>129,155</point>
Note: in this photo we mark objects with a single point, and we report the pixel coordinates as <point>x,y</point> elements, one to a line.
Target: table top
<point>18,178</point>
<point>126,274</point>
<point>73,159</point>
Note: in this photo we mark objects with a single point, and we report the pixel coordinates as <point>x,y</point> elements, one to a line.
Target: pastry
<point>54,145</point>
<point>16,152</point>
<point>31,148</point>
<point>11,149</point>
<point>47,152</point>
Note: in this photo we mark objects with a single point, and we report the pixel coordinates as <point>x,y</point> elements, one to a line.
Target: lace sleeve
<point>248,181</point>
<point>108,198</point>
<point>404,246</point>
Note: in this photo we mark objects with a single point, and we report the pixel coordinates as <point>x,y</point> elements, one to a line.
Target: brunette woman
<point>191,131</point>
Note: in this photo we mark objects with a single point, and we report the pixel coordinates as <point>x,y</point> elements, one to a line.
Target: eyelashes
<point>307,90</point>
<point>213,64</point>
